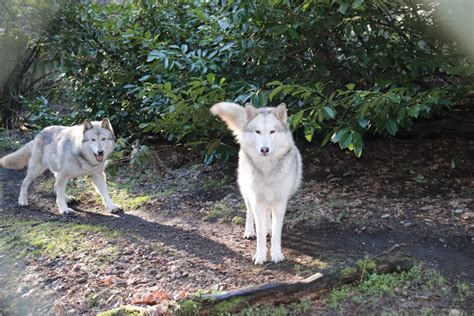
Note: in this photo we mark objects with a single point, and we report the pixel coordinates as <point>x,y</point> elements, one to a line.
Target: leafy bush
<point>41,112</point>
<point>344,67</point>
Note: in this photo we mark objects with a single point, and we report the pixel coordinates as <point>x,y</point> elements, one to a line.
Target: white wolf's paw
<point>249,234</point>
<point>277,257</point>
<point>66,210</point>
<point>259,258</point>
<point>22,201</point>
<point>115,209</point>
<point>71,200</point>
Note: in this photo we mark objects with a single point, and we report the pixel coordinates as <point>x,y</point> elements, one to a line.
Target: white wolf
<point>68,152</point>
<point>269,170</point>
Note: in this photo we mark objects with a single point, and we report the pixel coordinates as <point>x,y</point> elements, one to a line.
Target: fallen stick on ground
<point>392,260</point>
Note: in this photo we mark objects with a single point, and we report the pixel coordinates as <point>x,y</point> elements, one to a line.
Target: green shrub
<point>344,67</point>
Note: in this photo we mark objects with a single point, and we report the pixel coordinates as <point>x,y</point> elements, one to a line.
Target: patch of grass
<point>122,194</point>
<point>214,183</point>
<point>228,306</point>
<point>463,292</point>
<point>238,220</point>
<point>415,291</point>
<point>125,199</point>
<point>420,179</point>
<point>298,308</point>
<point>365,266</point>
<point>220,211</point>
<point>126,310</point>
<point>374,285</point>
<point>186,308</point>
<point>347,272</point>
<point>93,299</point>
<point>107,255</point>
<point>308,214</point>
<point>337,204</point>
<point>163,251</point>
<point>318,263</point>
<point>44,185</point>
<point>53,239</point>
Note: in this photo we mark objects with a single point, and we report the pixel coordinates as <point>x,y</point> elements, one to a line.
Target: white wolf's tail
<point>231,113</point>
<point>17,159</point>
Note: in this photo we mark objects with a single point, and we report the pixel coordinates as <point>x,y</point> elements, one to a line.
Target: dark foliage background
<point>344,67</point>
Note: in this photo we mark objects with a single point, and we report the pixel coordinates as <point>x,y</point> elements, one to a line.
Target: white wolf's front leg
<point>60,187</point>
<point>260,218</point>
<point>268,222</point>
<point>278,214</point>
<point>249,222</point>
<point>101,188</point>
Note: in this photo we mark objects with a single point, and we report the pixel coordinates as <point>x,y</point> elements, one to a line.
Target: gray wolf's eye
<point>272,131</point>
<point>93,139</point>
<point>257,131</point>
<point>103,139</point>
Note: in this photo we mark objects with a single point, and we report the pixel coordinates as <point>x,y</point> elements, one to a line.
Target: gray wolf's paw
<point>249,234</point>
<point>116,209</point>
<point>66,210</point>
<point>22,201</point>
<point>259,258</point>
<point>277,257</point>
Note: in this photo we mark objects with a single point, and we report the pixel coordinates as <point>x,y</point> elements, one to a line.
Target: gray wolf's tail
<point>18,159</point>
<point>231,113</point>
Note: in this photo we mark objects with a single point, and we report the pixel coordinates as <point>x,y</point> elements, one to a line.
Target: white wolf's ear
<point>106,124</point>
<point>281,113</point>
<point>250,112</point>
<point>87,125</point>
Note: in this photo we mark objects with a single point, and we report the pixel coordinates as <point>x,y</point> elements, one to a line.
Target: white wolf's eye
<point>103,139</point>
<point>93,139</point>
<point>257,131</point>
<point>272,131</point>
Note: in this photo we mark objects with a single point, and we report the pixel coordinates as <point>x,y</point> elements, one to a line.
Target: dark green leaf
<point>344,6</point>
<point>308,133</point>
<point>391,127</point>
<point>345,140</point>
<point>328,113</point>
<point>336,137</point>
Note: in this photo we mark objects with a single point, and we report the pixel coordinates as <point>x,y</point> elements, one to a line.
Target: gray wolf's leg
<point>101,188</point>
<point>35,168</point>
<point>60,186</point>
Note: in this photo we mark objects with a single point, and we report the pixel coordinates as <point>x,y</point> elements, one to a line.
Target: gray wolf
<point>68,152</point>
<point>269,171</point>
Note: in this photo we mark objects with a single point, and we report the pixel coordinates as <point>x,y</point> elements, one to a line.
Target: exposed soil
<point>188,236</point>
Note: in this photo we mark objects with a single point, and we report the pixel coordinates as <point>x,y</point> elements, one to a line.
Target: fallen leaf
<point>153,298</point>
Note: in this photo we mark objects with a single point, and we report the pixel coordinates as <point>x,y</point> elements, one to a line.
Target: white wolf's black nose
<point>264,150</point>
<point>100,152</point>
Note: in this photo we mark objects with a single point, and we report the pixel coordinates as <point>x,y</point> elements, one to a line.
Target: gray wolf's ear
<point>280,113</point>
<point>250,112</point>
<point>106,124</point>
<point>87,125</point>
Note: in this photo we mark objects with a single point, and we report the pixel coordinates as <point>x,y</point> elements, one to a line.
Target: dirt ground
<point>181,233</point>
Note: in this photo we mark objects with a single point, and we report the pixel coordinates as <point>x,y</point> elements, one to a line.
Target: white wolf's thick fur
<point>269,170</point>
<point>68,152</point>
